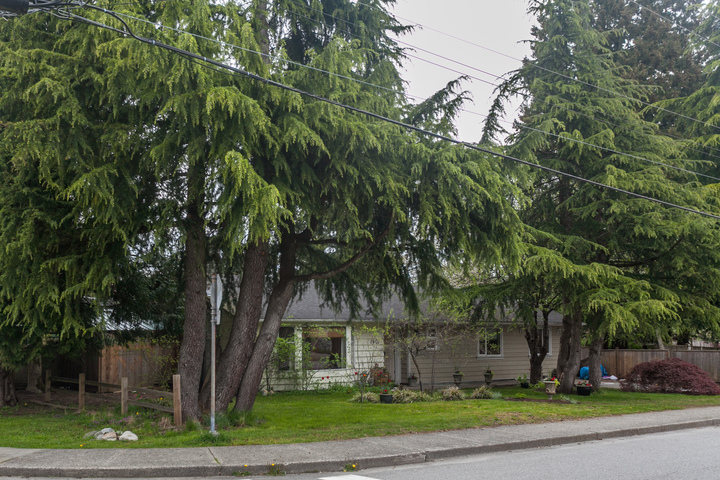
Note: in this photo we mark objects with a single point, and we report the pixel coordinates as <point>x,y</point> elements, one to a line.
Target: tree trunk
<point>8,397</point>
<point>538,345</point>
<point>417,367</point>
<point>569,356</point>
<point>595,370</point>
<point>277,304</point>
<point>236,356</point>
<point>33,375</point>
<point>192,347</point>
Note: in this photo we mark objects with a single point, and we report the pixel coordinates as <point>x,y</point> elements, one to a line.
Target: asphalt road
<point>686,454</point>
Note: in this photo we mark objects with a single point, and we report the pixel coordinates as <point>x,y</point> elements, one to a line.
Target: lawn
<point>318,416</point>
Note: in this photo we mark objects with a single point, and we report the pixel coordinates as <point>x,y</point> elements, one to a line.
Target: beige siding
<point>514,360</point>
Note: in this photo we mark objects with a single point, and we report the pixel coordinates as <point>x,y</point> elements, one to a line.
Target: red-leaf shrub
<point>670,376</point>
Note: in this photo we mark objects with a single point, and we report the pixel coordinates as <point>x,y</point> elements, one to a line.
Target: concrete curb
<point>333,456</point>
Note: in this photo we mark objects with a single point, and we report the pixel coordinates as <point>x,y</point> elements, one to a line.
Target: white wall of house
<point>363,350</point>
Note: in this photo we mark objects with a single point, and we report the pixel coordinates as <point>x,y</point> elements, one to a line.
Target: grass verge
<point>303,417</point>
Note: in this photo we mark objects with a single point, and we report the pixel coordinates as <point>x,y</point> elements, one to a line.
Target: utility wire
<point>524,127</point>
<point>347,22</point>
<point>562,75</point>
<point>367,113</point>
<point>676,24</point>
<point>268,56</point>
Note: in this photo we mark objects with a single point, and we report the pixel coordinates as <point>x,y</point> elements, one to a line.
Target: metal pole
<point>213,307</point>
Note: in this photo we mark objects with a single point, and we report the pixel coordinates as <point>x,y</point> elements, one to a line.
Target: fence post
<point>81,391</point>
<point>177,406</point>
<point>47,385</point>
<point>123,395</point>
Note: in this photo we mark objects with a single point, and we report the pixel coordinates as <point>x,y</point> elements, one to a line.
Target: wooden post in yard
<point>81,392</point>
<point>123,395</point>
<point>47,385</point>
<point>177,406</point>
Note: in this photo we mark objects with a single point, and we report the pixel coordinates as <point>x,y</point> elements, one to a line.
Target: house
<point>337,347</point>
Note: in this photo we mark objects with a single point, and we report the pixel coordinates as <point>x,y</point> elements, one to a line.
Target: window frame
<point>500,341</point>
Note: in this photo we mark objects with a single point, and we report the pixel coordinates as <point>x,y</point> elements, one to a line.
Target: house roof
<point>309,307</point>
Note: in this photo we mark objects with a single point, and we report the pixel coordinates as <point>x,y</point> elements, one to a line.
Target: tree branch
<point>327,241</point>
<point>350,262</point>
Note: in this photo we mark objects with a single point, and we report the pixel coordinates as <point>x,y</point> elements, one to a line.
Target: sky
<point>499,25</point>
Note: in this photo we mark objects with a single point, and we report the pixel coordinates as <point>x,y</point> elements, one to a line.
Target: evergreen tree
<point>621,256</point>
<point>261,183</point>
<point>653,50</point>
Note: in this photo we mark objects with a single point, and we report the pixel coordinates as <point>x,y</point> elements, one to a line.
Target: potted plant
<point>385,396</point>
<point>550,386</point>
<point>488,375</point>
<point>584,388</point>
<point>412,380</point>
<point>523,379</point>
<point>457,377</point>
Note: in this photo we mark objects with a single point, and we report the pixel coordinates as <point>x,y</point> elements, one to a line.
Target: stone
<point>92,434</point>
<point>128,436</point>
<point>107,430</point>
<point>110,436</point>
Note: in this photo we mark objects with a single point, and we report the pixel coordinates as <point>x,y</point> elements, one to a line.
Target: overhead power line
<point>675,24</point>
<point>349,23</point>
<point>521,126</point>
<point>273,83</point>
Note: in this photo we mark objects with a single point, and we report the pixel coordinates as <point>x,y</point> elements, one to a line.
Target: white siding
<point>363,351</point>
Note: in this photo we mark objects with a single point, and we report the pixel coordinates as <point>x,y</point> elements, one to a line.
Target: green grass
<point>302,417</point>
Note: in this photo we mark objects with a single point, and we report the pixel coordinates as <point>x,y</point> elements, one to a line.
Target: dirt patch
<point>66,399</point>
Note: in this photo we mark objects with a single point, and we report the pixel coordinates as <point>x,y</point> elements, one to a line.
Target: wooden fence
<point>141,363</point>
<point>176,409</point>
<point>619,362</point>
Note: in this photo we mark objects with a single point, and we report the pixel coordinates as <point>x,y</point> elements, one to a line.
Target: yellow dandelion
<point>246,464</point>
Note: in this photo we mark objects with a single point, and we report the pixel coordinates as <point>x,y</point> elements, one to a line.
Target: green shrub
<point>367,397</point>
<point>483,392</point>
<point>410,396</point>
<point>452,393</point>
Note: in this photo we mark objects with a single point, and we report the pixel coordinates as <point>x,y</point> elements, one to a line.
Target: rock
<point>107,430</point>
<point>128,436</point>
<point>110,436</point>
<point>91,434</point>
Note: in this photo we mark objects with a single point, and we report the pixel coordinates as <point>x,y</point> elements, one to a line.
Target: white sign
<point>215,293</point>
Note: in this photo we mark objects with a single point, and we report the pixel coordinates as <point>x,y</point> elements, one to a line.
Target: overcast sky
<point>499,25</point>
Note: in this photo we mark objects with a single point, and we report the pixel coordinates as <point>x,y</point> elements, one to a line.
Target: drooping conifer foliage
<point>605,261</point>
<point>267,187</point>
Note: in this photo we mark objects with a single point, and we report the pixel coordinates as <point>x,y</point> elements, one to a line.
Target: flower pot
<point>488,378</point>
<point>583,390</point>
<point>550,387</point>
<point>524,385</point>
<point>457,378</point>
<point>386,398</point>
<point>412,382</point>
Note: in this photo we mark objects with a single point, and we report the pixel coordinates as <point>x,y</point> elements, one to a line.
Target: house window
<point>326,348</point>
<point>490,343</point>
<point>432,341</point>
<point>284,354</point>
<point>542,341</point>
